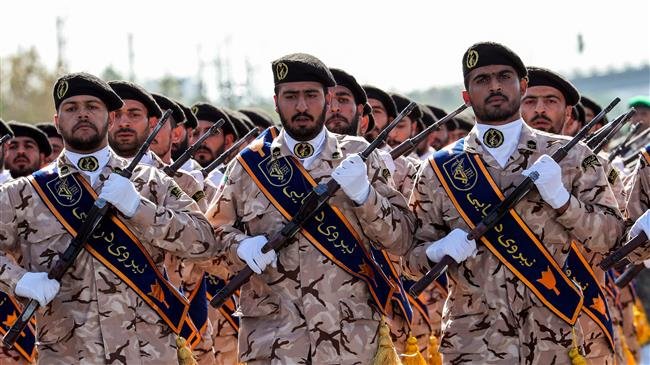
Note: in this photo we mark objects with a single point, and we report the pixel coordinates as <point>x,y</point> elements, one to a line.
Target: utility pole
<point>61,66</point>
<point>131,57</point>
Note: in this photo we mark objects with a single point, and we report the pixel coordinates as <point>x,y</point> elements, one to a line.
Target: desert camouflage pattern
<point>308,310</point>
<point>638,201</point>
<point>490,317</point>
<point>96,318</point>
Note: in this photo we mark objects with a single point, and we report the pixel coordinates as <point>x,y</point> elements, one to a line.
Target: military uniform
<point>490,316</point>
<point>96,317</point>
<point>638,200</point>
<point>308,308</point>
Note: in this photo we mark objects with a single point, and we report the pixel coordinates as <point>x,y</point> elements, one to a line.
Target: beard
<point>303,133</point>
<point>24,168</point>
<point>180,147</point>
<point>492,114</point>
<point>88,143</point>
<point>347,127</point>
<point>204,155</point>
<point>127,148</point>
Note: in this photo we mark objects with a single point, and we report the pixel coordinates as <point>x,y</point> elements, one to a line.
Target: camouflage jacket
<point>308,302</point>
<point>95,317</point>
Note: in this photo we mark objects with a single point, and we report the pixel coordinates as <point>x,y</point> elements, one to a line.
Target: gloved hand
<point>455,244</point>
<point>646,263</point>
<point>388,161</point>
<point>641,224</point>
<point>549,184</point>
<point>36,285</point>
<point>618,163</point>
<point>250,250</point>
<point>352,175</point>
<point>120,192</point>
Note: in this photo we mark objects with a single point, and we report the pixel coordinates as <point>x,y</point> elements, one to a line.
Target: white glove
<point>549,184</point>
<point>455,244</point>
<point>388,161</point>
<point>641,224</point>
<point>250,250</point>
<point>36,285</point>
<point>618,163</point>
<point>646,263</point>
<point>120,192</point>
<point>352,175</point>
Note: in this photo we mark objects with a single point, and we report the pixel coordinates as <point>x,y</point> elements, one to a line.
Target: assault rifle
<point>318,197</point>
<point>230,152</point>
<point>68,257</point>
<point>182,159</point>
<point>495,215</point>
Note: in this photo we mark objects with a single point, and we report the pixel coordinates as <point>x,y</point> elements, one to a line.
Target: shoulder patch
<point>385,173</point>
<point>198,196</point>
<point>175,191</point>
<point>590,161</point>
<point>612,176</point>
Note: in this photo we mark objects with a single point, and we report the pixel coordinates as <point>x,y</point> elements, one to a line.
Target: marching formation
<point>364,228</point>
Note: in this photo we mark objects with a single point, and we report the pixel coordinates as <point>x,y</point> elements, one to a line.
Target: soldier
<point>509,301</point>
<point>440,136</point>
<point>259,118</point>
<point>549,102</point>
<point>383,109</point>
<point>113,305</point>
<point>309,303</point>
<point>459,127</point>
<point>215,145</point>
<point>27,150</point>
<point>56,141</point>
<point>424,150</point>
<point>181,141</point>
<point>345,114</point>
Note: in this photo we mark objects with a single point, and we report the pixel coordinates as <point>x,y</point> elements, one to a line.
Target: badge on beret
<point>493,138</point>
<point>62,89</point>
<point>88,163</point>
<point>195,109</point>
<point>472,58</point>
<point>281,70</point>
<point>303,150</point>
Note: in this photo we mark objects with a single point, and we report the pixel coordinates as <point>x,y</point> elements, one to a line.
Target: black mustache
<point>305,115</point>
<point>125,130</point>
<point>337,116</point>
<point>495,94</point>
<point>541,116</point>
<point>87,124</point>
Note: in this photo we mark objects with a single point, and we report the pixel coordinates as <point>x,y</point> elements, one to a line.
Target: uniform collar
<point>330,147</point>
<point>526,144</point>
<point>66,167</point>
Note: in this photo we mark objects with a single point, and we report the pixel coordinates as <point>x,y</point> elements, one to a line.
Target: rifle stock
<point>226,156</point>
<point>182,159</point>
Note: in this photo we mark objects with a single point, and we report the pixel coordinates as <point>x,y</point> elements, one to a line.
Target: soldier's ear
<point>111,119</point>
<point>465,95</point>
<point>55,119</point>
<point>275,102</point>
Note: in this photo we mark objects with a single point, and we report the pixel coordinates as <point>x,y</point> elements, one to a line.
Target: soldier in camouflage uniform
<point>490,316</point>
<point>96,317</point>
<point>638,203</point>
<point>304,308</point>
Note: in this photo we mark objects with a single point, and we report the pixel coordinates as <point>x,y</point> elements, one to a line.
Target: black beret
<point>240,125</point>
<point>28,130</point>
<point>129,90</point>
<point>205,111</point>
<point>82,83</point>
<point>402,102</point>
<point>428,118</point>
<point>367,110</point>
<point>4,129</point>
<point>190,119</point>
<point>538,76</point>
<point>491,53</point>
<point>301,67</point>
<point>590,104</point>
<point>259,117</point>
<point>378,94</point>
<point>439,113</point>
<point>578,113</point>
<point>165,103</point>
<point>343,78</point>
<point>461,121</point>
<point>49,129</point>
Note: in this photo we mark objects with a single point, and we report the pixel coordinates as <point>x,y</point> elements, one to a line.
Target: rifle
<point>632,158</point>
<point>595,138</point>
<point>628,275</point>
<point>495,215</point>
<point>68,257</point>
<point>409,145</point>
<point>5,138</point>
<point>182,159</point>
<point>227,155</point>
<point>623,147</point>
<point>623,251</point>
<point>312,202</point>
<point>619,123</point>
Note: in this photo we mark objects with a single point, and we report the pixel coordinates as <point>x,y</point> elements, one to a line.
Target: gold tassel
<point>627,354</point>
<point>641,323</point>
<point>184,353</point>
<point>435,357</point>
<point>574,353</point>
<point>386,353</point>
<point>412,355</point>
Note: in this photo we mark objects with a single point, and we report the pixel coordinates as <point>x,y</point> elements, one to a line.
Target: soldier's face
<point>343,114</point>
<point>642,115</point>
<point>302,107</point>
<point>495,93</point>
<point>131,128</point>
<point>213,146</point>
<point>457,134</point>
<point>589,114</point>
<point>162,143</point>
<point>83,122</point>
<point>544,107</point>
<point>22,156</point>
<point>439,138</point>
<point>402,131</point>
<point>381,118</point>
<point>57,147</point>
<point>180,141</point>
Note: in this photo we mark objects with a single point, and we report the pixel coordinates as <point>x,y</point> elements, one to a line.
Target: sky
<point>398,45</point>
